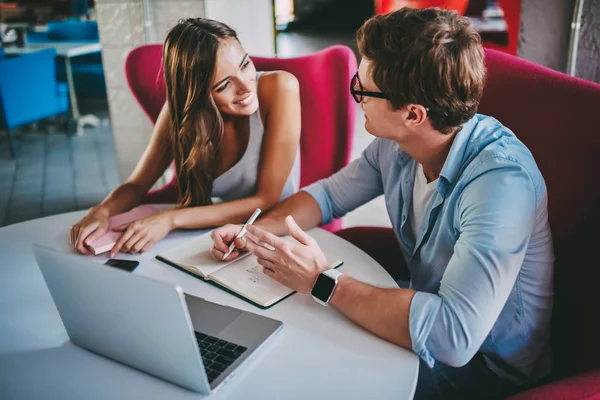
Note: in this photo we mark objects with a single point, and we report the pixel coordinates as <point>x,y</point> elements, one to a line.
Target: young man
<point>466,200</point>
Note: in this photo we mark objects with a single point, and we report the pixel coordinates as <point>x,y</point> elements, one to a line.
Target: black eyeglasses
<point>359,94</point>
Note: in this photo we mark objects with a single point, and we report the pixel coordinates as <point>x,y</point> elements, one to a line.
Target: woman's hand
<point>91,227</point>
<point>139,236</point>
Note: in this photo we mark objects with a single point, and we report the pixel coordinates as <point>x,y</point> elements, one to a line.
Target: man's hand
<point>222,238</point>
<point>139,236</point>
<point>295,265</point>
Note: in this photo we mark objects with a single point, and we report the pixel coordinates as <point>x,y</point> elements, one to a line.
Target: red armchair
<point>328,111</point>
<point>558,118</point>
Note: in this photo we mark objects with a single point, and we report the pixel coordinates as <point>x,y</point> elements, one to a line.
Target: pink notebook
<point>105,242</point>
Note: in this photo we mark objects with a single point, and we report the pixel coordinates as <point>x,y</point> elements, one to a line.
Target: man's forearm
<point>302,206</point>
<point>385,312</point>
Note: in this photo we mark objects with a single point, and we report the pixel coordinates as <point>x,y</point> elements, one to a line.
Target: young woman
<point>233,133</point>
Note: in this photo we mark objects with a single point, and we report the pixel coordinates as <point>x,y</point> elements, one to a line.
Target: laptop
<point>151,325</point>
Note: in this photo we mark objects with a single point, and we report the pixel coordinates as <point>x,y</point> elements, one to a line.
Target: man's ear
<point>417,114</point>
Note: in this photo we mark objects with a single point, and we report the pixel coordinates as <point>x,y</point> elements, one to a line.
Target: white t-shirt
<point>422,194</point>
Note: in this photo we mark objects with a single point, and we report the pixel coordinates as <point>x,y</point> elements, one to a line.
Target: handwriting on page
<point>246,277</point>
<point>253,273</point>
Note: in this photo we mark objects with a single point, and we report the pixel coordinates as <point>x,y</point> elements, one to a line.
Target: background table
<point>66,50</point>
<point>318,354</point>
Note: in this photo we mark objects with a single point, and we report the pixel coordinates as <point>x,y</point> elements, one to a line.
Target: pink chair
<point>328,111</point>
<point>557,117</point>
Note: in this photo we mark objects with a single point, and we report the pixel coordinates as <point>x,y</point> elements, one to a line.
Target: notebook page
<point>247,279</point>
<point>194,256</point>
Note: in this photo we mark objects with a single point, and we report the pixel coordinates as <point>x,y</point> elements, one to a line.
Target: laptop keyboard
<point>217,354</point>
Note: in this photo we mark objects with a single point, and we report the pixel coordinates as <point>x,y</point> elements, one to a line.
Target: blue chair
<point>72,30</point>
<point>29,91</point>
<point>88,72</point>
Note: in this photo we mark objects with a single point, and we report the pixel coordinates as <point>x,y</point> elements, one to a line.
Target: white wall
<point>252,19</point>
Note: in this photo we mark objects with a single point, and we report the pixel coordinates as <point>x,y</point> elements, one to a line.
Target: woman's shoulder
<point>278,80</point>
<point>273,84</point>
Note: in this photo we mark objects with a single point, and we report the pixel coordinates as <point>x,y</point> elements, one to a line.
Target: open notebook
<point>242,276</point>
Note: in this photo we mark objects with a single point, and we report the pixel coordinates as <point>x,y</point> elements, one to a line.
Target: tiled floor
<point>54,174</point>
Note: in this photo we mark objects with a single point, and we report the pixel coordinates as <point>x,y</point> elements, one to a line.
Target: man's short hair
<point>431,57</point>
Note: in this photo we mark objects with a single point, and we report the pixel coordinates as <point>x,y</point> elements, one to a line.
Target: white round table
<point>319,354</point>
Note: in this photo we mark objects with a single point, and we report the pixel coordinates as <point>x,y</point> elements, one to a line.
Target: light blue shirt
<point>482,262</point>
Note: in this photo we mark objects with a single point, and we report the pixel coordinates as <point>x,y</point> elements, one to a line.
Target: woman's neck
<point>233,124</point>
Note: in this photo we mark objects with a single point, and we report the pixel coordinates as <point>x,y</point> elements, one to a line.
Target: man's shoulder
<point>493,140</point>
<point>494,146</point>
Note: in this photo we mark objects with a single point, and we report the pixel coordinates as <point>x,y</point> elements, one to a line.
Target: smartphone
<point>127,265</point>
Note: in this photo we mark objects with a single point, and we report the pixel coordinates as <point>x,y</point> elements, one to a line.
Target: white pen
<point>242,232</point>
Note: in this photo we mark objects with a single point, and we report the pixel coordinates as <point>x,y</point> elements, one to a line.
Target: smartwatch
<point>325,286</point>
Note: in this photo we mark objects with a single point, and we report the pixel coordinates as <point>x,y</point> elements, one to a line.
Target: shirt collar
<point>454,161</point>
<point>456,155</point>
<point>403,158</point>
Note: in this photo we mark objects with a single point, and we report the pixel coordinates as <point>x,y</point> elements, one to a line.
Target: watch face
<point>323,287</point>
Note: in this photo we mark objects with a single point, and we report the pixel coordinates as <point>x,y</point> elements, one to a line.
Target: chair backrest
<point>28,87</point>
<point>73,30</point>
<point>557,117</point>
<point>143,68</point>
<point>328,111</point>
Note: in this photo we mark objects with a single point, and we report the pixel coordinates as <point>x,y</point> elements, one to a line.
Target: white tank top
<point>240,181</point>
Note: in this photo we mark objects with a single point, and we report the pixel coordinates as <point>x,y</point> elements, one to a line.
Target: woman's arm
<point>150,167</point>
<point>279,97</point>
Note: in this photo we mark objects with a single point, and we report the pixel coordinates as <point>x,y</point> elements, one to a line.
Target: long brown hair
<point>189,56</point>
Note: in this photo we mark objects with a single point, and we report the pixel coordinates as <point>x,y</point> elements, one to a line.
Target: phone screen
<point>127,265</point>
